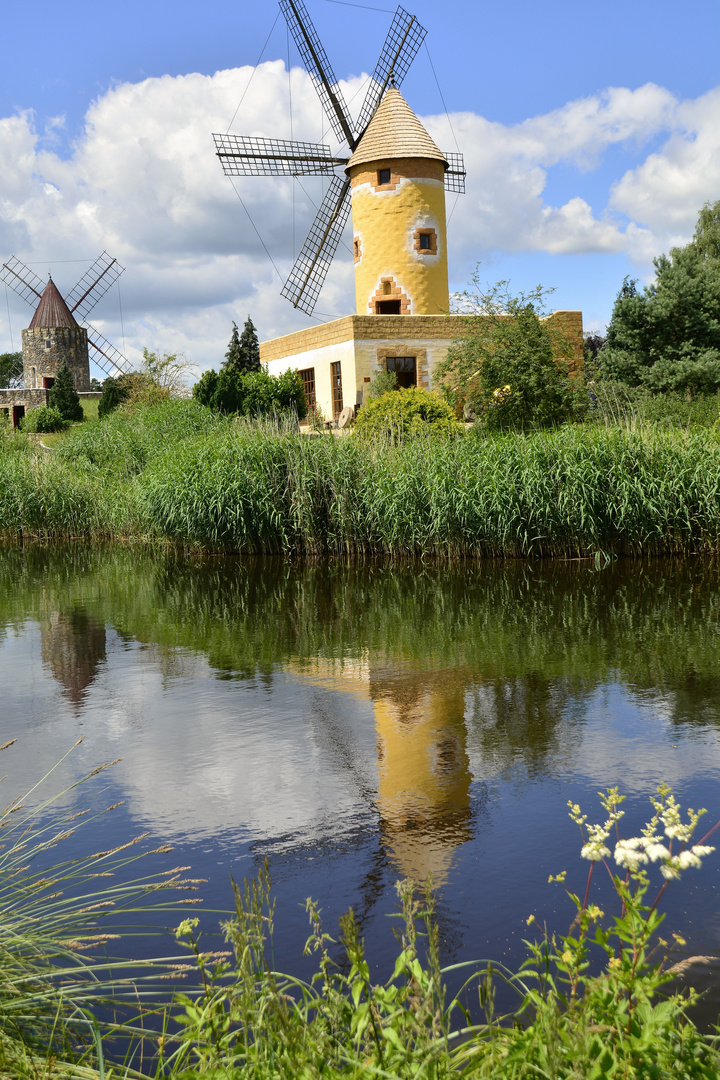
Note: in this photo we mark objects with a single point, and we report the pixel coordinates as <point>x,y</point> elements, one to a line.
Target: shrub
<point>114,393</point>
<point>404,413</point>
<point>382,383</point>
<point>255,393</point>
<point>44,418</point>
<point>64,396</point>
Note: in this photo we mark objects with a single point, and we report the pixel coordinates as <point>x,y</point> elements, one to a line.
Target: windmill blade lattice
<point>22,280</point>
<point>244,155</point>
<point>455,173</point>
<point>404,38</point>
<point>93,285</point>
<point>318,67</point>
<point>303,286</point>
<point>106,356</point>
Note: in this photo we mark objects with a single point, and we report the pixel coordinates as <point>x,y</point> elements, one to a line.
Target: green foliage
<point>636,407</point>
<point>613,1020</point>
<point>44,418</point>
<point>161,375</point>
<point>403,414</point>
<point>667,336</point>
<point>114,393</point>
<point>706,239</point>
<point>11,368</point>
<point>243,353</point>
<point>181,471</point>
<point>512,366</point>
<point>64,397</point>
<point>381,383</point>
<point>252,394</point>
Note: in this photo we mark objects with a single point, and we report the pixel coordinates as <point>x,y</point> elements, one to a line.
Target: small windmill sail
<point>246,156</point>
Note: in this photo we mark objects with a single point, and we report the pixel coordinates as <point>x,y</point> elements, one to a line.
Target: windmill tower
<point>397,181</point>
<point>59,332</point>
<point>53,339</point>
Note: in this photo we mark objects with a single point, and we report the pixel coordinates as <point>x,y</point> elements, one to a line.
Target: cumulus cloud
<point>143,182</point>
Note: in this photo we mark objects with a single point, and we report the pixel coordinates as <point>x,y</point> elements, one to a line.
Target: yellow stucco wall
<point>385,221</point>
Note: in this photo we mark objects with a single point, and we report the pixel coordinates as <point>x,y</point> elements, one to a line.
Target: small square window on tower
<point>383,176</point>
<point>425,241</point>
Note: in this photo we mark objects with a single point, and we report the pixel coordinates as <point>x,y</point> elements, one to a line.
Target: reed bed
<point>177,472</point>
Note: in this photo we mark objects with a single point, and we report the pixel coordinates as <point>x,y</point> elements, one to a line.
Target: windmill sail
<point>318,67</point>
<point>243,155</point>
<point>303,286</point>
<point>455,173</point>
<point>404,38</point>
<point>22,280</point>
<point>106,356</point>
<point>93,285</point>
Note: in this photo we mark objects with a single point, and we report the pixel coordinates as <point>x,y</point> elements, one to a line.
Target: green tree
<point>666,337</point>
<point>64,397</point>
<point>512,367</point>
<point>707,232</point>
<point>11,367</point>
<point>255,393</point>
<point>243,353</point>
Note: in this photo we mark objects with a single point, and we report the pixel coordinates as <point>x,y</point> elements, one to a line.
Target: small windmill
<point>80,301</point>
<point>250,156</point>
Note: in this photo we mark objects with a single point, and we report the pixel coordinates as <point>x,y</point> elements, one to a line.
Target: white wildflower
<point>630,853</point>
<point>702,850</point>
<point>670,870</point>
<point>655,850</point>
<point>595,848</point>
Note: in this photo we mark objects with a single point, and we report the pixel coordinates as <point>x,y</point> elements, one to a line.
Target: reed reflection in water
<point>360,723</point>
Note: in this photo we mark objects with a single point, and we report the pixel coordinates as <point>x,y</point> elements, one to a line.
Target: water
<point>354,725</point>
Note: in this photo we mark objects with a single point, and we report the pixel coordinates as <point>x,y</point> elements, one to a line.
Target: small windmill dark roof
<point>52,310</point>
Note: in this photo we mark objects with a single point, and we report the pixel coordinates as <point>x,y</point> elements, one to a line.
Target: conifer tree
<point>250,347</point>
<point>243,353</point>
<point>233,355</point>
<point>64,397</point>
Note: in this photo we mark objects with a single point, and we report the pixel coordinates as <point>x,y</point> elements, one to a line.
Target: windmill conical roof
<point>52,309</point>
<point>394,132</point>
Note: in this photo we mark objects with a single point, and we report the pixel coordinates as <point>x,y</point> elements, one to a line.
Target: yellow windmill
<point>394,180</point>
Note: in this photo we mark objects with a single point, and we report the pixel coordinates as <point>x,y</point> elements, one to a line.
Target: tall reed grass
<point>61,914</point>
<point>176,471</point>
<point>572,492</point>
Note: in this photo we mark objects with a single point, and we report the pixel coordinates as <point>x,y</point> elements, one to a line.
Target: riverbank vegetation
<point>179,472</point>
<point>596,1002</point>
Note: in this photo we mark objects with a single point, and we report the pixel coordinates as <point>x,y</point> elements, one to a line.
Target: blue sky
<point>591,135</point>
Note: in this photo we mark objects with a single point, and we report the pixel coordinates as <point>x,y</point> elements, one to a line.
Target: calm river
<point>358,724</point>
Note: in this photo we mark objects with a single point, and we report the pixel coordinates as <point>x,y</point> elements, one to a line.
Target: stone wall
<point>12,400</point>
<point>45,349</point>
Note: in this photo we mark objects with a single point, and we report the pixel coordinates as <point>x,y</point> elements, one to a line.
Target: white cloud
<point>144,183</point>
